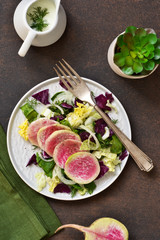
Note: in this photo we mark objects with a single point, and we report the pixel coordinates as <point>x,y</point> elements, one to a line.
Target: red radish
<point>102,229</point>
<point>82,167</point>
<point>46,131</point>
<point>65,149</point>
<point>57,137</point>
<point>35,126</point>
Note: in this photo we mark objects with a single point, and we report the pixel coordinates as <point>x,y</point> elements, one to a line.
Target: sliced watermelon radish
<point>35,126</point>
<point>57,137</point>
<point>102,229</point>
<point>82,167</point>
<point>46,131</point>
<point>65,149</point>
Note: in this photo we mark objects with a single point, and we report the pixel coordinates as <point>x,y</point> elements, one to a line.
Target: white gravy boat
<point>56,20</point>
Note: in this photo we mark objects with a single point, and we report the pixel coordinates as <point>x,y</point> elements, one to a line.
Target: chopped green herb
<point>114,121</point>
<point>37,18</point>
<point>33,102</point>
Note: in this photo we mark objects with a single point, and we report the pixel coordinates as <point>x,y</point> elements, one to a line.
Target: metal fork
<point>75,84</point>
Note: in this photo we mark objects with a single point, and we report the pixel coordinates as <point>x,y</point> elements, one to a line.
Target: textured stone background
<point>134,198</point>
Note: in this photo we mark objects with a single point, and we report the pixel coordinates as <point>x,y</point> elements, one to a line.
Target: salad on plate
<point>73,146</point>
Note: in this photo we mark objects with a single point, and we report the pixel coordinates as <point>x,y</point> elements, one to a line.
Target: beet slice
<point>103,228</point>
<point>65,149</point>
<point>82,167</point>
<point>57,137</point>
<point>35,126</point>
<point>46,131</point>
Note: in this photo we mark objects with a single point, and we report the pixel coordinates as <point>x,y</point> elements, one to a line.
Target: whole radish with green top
<point>102,229</point>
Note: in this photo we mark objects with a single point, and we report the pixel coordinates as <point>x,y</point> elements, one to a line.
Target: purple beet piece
<point>66,105</point>
<point>103,169</point>
<point>45,155</point>
<point>101,102</point>
<point>85,135</point>
<point>109,97</point>
<point>62,84</point>
<point>77,100</point>
<point>32,160</point>
<point>60,117</point>
<point>111,133</point>
<point>62,188</point>
<point>123,155</point>
<point>100,125</point>
<point>42,96</point>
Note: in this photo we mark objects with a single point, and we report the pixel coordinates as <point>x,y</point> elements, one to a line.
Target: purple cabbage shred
<point>62,84</point>
<point>85,135</point>
<point>123,155</point>
<point>45,155</point>
<point>42,96</point>
<point>77,100</point>
<point>60,117</point>
<point>109,97</point>
<point>101,102</point>
<point>66,105</point>
<point>103,169</point>
<point>32,160</point>
<point>111,133</point>
<point>100,125</point>
<point>62,188</point>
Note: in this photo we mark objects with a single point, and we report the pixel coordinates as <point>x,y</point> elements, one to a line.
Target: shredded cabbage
<point>62,178</point>
<point>110,163</point>
<point>41,181</point>
<point>111,106</point>
<point>106,134</point>
<point>53,182</point>
<point>92,134</point>
<point>47,113</point>
<point>79,115</point>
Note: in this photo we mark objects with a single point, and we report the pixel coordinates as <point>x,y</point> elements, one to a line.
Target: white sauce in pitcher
<point>49,18</point>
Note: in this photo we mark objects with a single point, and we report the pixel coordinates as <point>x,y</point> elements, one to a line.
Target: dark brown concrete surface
<point>134,198</point>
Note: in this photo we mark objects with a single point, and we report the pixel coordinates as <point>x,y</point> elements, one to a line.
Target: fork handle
<point>141,159</point>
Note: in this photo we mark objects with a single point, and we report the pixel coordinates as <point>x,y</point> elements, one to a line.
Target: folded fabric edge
<point>37,202</point>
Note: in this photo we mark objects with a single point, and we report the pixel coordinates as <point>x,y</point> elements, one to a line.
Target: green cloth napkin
<point>24,213</point>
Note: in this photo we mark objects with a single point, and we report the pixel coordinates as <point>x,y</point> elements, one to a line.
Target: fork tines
<point>70,81</point>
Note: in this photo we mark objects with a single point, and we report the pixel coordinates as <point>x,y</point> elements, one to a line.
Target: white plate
<point>20,151</point>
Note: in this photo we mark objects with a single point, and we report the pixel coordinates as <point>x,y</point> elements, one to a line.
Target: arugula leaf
<point>90,187</point>
<point>104,143</point>
<point>75,188</point>
<point>116,146</point>
<point>73,191</point>
<point>46,166</point>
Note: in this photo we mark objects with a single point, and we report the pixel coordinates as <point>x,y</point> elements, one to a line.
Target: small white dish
<point>33,37</point>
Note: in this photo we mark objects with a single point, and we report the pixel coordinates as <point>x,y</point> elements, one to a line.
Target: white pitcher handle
<point>27,43</point>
